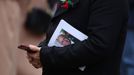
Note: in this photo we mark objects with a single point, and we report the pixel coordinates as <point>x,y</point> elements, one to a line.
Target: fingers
<point>37,64</point>
<point>34,48</point>
<point>34,59</point>
<point>34,62</point>
<point>29,59</point>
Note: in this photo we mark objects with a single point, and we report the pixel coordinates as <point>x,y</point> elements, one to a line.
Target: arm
<point>105,24</point>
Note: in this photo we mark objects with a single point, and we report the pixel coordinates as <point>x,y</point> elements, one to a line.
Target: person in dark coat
<point>104,21</point>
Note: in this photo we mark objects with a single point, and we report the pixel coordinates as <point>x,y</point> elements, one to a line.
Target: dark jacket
<point>104,21</point>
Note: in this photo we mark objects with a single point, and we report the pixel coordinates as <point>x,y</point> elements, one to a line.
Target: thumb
<point>34,48</point>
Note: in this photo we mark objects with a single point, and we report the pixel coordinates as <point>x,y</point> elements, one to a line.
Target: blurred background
<point>21,23</point>
<point>127,64</point>
<point>26,21</point>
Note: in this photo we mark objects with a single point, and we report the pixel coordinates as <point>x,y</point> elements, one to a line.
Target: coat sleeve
<point>105,23</point>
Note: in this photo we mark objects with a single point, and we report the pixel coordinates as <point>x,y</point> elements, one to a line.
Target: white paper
<point>66,27</point>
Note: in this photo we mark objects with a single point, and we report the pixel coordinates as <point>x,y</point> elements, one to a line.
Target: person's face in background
<point>63,40</point>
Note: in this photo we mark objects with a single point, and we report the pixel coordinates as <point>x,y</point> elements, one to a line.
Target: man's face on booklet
<point>63,40</point>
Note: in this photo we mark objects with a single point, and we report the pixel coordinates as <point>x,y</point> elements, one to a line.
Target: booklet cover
<point>66,34</point>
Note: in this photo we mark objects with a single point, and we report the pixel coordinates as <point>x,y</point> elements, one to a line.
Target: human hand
<point>34,58</point>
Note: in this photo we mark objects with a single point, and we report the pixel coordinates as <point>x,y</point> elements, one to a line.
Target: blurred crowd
<point>17,27</point>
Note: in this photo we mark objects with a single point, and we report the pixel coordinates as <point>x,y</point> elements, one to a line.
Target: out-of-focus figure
<point>127,66</point>
<point>9,28</point>
<point>35,15</point>
<point>12,19</point>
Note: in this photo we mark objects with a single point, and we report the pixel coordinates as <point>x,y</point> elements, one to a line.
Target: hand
<point>34,58</point>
